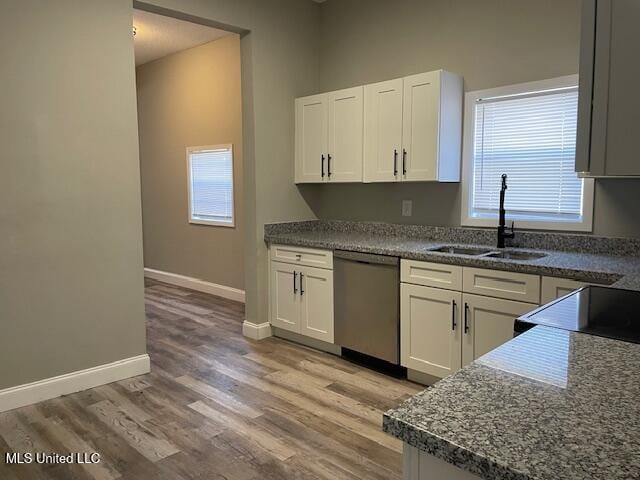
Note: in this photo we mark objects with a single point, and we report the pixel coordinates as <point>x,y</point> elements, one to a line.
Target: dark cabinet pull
<point>453,314</point>
<point>301,290</point>
<point>295,277</point>
<point>328,165</point>
<point>395,162</point>
<point>322,165</point>
<point>466,317</point>
<point>404,161</point>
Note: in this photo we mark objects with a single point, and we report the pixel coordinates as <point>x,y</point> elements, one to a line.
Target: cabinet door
<point>610,38</point>
<point>553,288</point>
<point>311,139</point>
<point>316,294</point>
<point>285,298</point>
<point>487,323</point>
<point>421,126</point>
<point>430,326</point>
<point>345,130</point>
<point>383,131</point>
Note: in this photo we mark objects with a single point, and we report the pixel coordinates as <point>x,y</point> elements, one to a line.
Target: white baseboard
<point>256,331</point>
<point>29,393</point>
<point>196,284</point>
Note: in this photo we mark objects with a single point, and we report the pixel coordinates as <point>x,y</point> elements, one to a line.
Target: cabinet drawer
<point>431,274</point>
<point>553,288</point>
<point>302,256</point>
<point>499,284</point>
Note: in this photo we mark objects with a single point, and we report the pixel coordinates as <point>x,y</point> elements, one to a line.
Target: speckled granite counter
<point>579,257</point>
<point>548,405</point>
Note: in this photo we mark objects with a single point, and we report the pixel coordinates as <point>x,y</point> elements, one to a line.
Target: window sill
<point>212,223</point>
<point>558,226</point>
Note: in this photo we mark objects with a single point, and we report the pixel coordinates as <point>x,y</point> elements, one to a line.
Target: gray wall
<point>490,43</point>
<point>187,99</point>
<point>71,286</point>
<point>280,56</point>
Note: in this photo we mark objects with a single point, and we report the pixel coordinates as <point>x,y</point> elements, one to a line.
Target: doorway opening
<point>189,102</point>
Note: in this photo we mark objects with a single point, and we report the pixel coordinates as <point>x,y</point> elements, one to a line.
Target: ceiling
<point>158,35</point>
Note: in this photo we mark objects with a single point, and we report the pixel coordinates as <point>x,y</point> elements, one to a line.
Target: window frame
<point>466,217</point>
<point>190,216</point>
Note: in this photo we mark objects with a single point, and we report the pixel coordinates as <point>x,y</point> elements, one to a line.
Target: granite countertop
<point>615,270</point>
<point>547,405</point>
<point>563,405</point>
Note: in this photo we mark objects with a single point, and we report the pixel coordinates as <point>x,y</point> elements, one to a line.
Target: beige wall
<point>280,56</point>
<point>71,286</point>
<point>490,43</point>
<point>190,98</point>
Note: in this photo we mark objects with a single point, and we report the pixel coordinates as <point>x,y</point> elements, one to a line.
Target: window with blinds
<point>531,137</point>
<point>211,185</point>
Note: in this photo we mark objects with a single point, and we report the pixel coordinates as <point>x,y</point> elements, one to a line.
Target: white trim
<point>196,284</point>
<point>256,331</point>
<point>30,393</point>
<point>200,221</point>
<point>467,162</point>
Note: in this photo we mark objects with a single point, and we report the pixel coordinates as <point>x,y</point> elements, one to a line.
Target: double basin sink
<point>483,252</point>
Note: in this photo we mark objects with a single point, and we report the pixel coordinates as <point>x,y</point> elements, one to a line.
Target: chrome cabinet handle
<point>453,315</point>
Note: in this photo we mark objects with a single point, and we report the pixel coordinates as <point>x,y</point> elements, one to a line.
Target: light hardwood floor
<point>216,406</point>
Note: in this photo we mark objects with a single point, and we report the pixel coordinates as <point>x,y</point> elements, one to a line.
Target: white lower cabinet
<point>443,330</point>
<point>430,329</point>
<point>285,300</point>
<point>316,303</point>
<point>553,288</point>
<point>488,323</point>
<point>302,300</point>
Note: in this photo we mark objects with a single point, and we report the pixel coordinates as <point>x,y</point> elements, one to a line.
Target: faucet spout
<point>503,232</point>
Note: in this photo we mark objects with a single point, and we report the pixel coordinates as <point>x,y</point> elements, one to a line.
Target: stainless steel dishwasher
<point>366,302</point>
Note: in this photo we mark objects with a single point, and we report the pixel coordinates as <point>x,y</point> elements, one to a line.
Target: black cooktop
<point>603,311</point>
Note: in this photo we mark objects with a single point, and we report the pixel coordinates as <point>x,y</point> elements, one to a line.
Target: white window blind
<point>532,138</point>
<point>211,185</point>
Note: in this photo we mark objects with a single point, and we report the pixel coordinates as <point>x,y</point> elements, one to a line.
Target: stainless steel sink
<point>461,250</point>
<point>516,255</point>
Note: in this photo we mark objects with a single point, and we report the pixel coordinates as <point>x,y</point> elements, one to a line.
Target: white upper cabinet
<point>329,129</point>
<point>413,129</point>
<point>420,126</point>
<point>311,138</point>
<point>382,131</point>
<point>345,130</point>
<point>408,129</point>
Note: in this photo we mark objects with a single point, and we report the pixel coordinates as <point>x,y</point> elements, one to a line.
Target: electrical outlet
<point>407,206</point>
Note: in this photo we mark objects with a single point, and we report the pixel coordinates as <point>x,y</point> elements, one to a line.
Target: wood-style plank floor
<point>216,405</point>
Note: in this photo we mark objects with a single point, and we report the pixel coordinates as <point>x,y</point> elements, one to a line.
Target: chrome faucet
<point>504,232</point>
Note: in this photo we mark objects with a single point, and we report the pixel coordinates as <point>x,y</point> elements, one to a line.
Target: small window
<point>527,131</point>
<point>210,172</point>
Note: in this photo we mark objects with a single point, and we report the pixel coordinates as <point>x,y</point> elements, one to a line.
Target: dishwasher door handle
<point>453,315</point>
